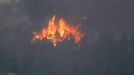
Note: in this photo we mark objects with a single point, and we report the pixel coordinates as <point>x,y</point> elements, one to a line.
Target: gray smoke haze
<point>106,49</point>
<point>104,15</point>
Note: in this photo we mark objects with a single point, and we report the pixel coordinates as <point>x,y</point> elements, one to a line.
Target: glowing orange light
<point>58,33</point>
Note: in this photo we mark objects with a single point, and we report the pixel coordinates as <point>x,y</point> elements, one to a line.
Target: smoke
<point>106,15</point>
<point>107,55</point>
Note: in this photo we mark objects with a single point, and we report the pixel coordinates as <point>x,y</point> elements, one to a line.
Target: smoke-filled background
<point>106,49</point>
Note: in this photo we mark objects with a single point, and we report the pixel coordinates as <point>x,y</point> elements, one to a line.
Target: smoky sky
<point>103,15</point>
<point>106,55</point>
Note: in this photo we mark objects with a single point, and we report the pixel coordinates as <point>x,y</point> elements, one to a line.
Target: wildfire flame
<point>58,33</point>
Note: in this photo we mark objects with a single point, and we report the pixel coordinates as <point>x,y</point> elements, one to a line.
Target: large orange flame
<point>58,33</point>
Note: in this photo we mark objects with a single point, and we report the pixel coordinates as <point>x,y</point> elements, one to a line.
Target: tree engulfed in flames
<point>58,33</point>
